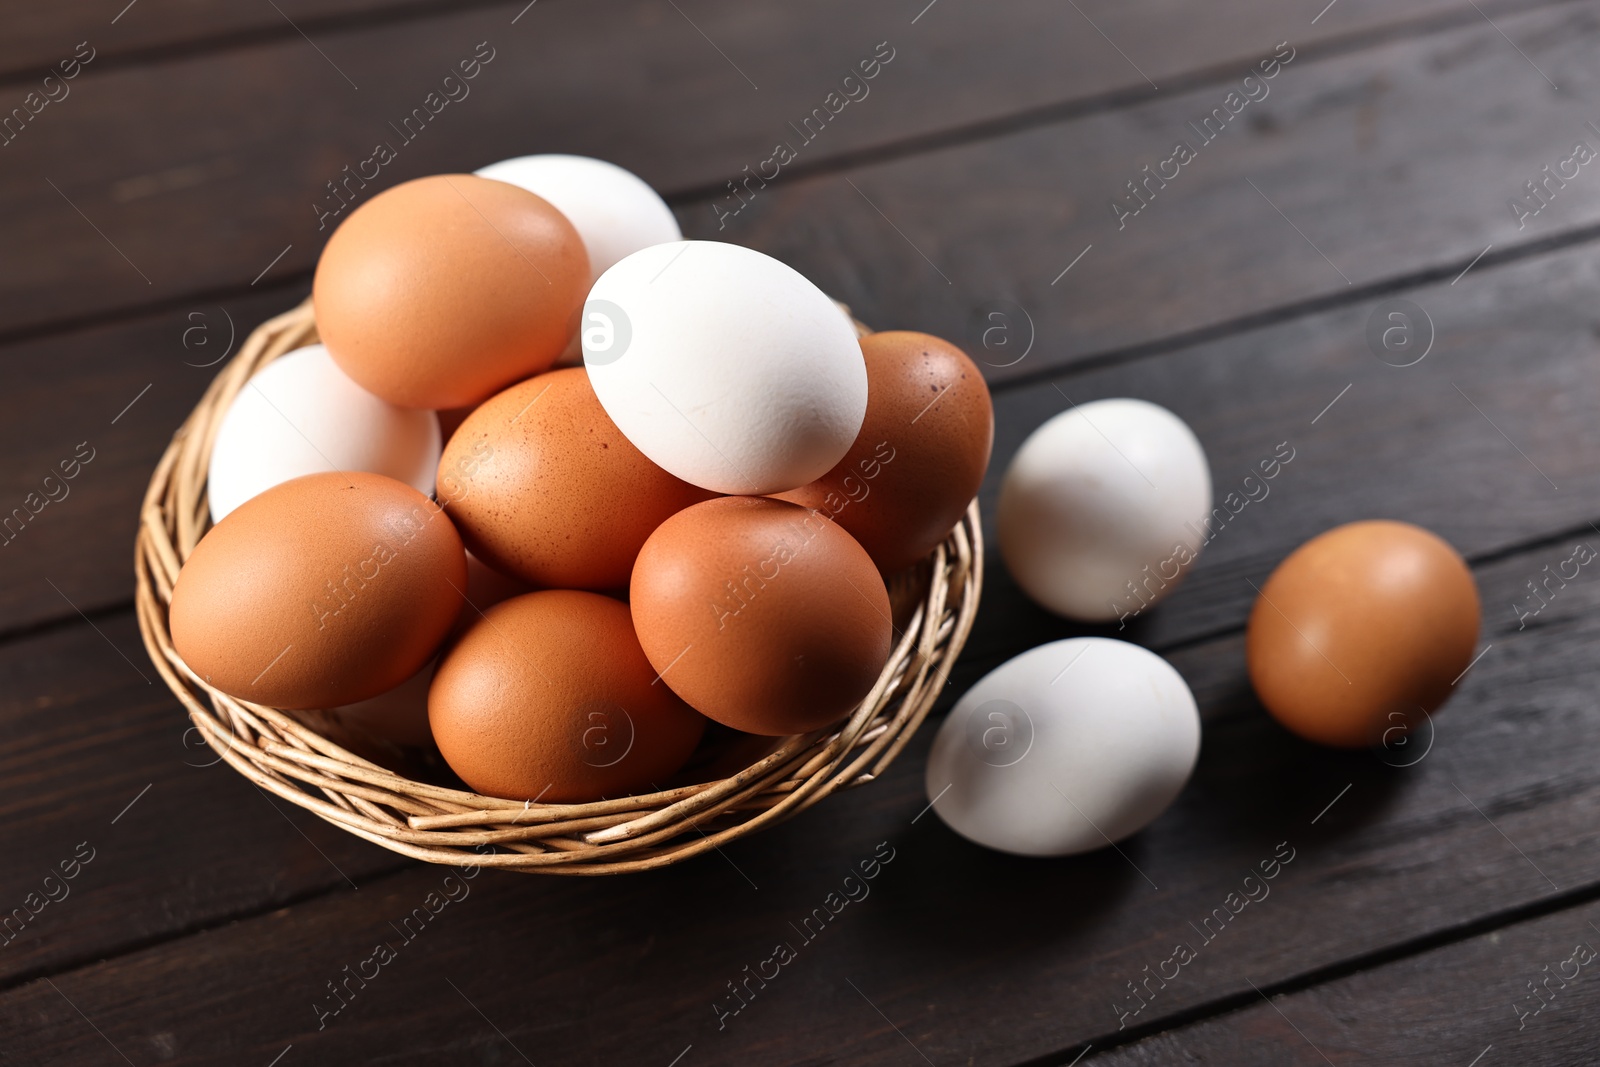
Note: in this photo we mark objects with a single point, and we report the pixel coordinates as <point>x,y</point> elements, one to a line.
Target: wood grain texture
<point>974,957</point>
<point>39,35</point>
<point>1352,172</point>
<point>115,393</point>
<point>97,751</point>
<point>204,169</point>
<point>132,31</point>
<point>1451,1005</point>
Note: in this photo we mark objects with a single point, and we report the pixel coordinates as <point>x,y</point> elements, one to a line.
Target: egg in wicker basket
<point>299,755</point>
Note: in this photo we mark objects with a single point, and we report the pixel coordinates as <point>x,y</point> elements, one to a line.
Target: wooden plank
<point>129,33</point>
<point>39,37</point>
<point>97,754</point>
<point>181,195</point>
<point>1469,1003</point>
<point>112,395</point>
<point>1470,442</point>
<point>1365,155</point>
<point>971,956</point>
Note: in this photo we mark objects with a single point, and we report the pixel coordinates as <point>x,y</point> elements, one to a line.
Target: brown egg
<point>921,453</point>
<point>543,486</point>
<point>550,697</point>
<point>443,290</point>
<point>1361,632</point>
<point>762,615</point>
<point>325,590</point>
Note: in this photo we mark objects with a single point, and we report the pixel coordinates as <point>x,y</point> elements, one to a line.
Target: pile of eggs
<point>559,488</point>
<point>1354,640</point>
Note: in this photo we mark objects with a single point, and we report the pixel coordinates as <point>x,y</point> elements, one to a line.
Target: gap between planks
<point>1561,900</point>
<point>267,33</point>
<point>966,134</point>
<point>248,914</point>
<point>1219,73</point>
<point>1556,903</point>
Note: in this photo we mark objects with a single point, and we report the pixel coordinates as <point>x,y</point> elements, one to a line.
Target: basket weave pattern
<point>286,755</point>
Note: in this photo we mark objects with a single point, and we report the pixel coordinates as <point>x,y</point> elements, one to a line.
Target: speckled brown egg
<point>325,590</point>
<point>921,453</point>
<point>761,614</point>
<point>442,290</point>
<point>550,697</point>
<point>544,486</point>
<point>1361,632</point>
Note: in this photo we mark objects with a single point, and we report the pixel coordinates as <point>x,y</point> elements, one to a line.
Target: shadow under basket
<point>294,756</point>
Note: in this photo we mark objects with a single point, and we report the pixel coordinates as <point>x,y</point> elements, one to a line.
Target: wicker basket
<point>295,756</point>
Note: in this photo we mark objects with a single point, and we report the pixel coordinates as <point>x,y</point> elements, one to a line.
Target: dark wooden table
<point>1438,905</point>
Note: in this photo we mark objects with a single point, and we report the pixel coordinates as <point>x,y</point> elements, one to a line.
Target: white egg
<point>1064,749</point>
<point>613,210</point>
<point>724,366</point>
<point>1104,508</point>
<point>301,414</point>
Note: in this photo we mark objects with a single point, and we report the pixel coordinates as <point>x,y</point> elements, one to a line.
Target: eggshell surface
<point>443,290</point>
<point>1104,509</point>
<point>614,210</point>
<point>550,697</point>
<point>920,456</point>
<point>543,486</point>
<point>724,366</point>
<point>762,615</point>
<point>1064,749</point>
<point>301,414</point>
<point>1361,632</point>
<point>322,591</point>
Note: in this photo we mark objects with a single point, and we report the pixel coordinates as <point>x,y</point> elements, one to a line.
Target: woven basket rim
<point>291,757</point>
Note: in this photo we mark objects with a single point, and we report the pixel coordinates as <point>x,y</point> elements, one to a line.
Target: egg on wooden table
<point>549,696</point>
<point>921,453</point>
<point>323,591</point>
<point>614,210</point>
<point>1104,509</point>
<point>1067,748</point>
<point>544,487</point>
<point>443,290</point>
<point>1362,632</point>
<point>762,615</point>
<point>724,366</point>
<point>301,414</point>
